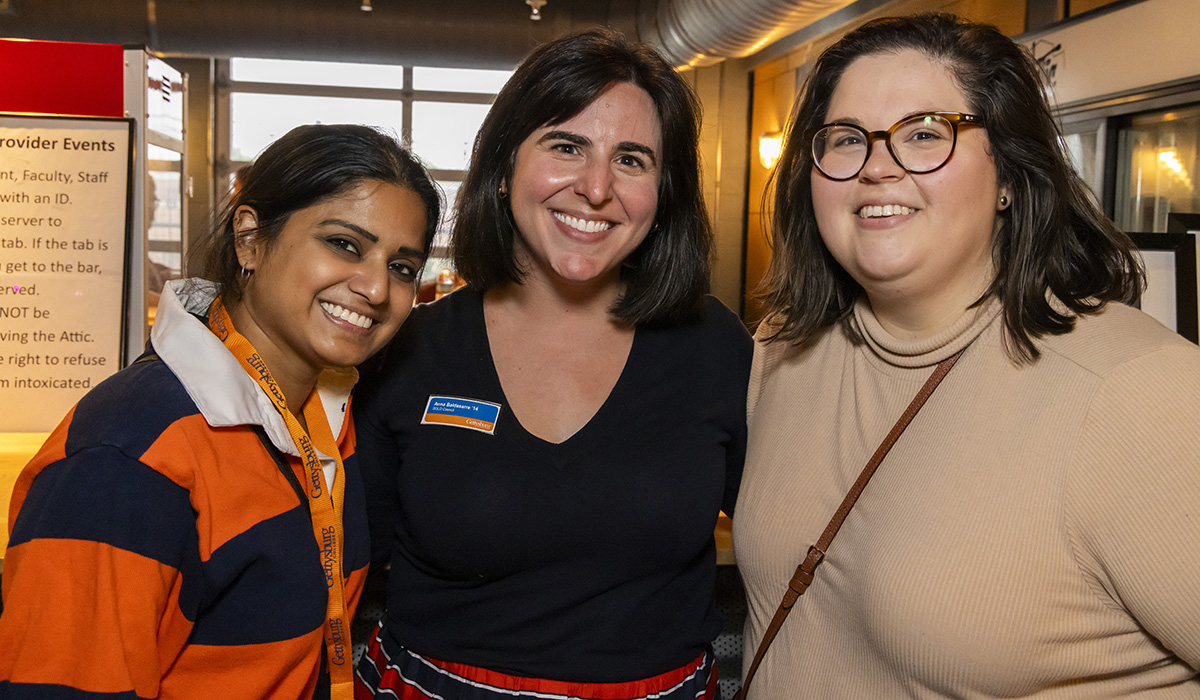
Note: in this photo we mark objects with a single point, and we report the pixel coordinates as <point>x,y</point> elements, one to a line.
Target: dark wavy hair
<point>667,275</point>
<point>1052,240</point>
<point>304,167</point>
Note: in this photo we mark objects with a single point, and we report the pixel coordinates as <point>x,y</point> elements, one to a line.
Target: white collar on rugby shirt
<point>216,382</point>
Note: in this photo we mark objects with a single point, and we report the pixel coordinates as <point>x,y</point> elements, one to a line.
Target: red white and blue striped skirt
<point>405,675</point>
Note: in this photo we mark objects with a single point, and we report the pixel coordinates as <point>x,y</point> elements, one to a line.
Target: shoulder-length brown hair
<point>1052,240</point>
<point>666,277</point>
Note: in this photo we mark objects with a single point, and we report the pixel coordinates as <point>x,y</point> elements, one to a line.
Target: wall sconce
<point>536,6</point>
<point>366,6</point>
<point>770,145</point>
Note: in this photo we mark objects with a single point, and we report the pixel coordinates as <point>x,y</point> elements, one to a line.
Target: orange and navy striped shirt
<point>155,555</point>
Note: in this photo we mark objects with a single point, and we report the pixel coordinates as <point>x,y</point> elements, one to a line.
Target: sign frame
<point>25,121</point>
<point>1180,248</point>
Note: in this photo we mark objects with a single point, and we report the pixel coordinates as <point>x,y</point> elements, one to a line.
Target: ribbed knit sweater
<point>1034,533</point>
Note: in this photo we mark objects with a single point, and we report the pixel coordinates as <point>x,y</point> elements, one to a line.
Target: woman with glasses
<point>1033,530</point>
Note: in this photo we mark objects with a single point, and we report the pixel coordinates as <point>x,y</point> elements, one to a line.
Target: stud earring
<point>1003,201</point>
<point>503,192</point>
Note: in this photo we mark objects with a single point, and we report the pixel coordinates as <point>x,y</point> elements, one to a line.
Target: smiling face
<point>920,244</point>
<point>584,192</point>
<point>337,282</point>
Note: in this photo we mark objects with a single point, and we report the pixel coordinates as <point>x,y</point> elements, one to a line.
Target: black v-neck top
<point>589,560</point>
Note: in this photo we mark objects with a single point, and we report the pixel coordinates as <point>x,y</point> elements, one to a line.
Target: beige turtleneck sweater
<point>1035,533</point>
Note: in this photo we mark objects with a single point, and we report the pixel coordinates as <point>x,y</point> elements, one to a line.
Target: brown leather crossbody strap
<point>803,577</point>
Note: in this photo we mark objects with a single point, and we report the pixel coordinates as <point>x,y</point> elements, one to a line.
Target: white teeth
<point>872,212</point>
<point>583,224</point>
<point>346,315</point>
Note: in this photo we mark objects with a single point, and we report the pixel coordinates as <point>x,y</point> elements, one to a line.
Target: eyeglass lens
<point>920,145</point>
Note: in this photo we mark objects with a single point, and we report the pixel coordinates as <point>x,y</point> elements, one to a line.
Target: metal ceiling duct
<point>703,32</point>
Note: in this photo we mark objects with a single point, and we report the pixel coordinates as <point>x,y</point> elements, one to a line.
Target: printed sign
<point>64,203</point>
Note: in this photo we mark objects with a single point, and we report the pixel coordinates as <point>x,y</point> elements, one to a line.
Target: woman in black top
<point>547,449</point>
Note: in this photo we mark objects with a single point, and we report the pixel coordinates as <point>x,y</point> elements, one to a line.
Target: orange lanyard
<point>326,510</point>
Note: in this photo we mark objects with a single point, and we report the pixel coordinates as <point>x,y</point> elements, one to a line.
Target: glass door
<point>1084,141</point>
<point>164,199</point>
<point>1156,168</point>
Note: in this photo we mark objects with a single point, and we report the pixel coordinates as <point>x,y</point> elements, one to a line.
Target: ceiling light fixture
<point>366,6</point>
<point>537,6</point>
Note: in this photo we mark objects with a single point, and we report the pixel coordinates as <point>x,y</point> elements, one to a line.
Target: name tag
<point>462,413</point>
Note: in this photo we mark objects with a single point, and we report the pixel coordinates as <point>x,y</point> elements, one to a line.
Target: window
<point>443,133</point>
<point>256,120</point>
<point>1156,169</point>
<point>1085,145</point>
<point>353,75</point>
<point>437,111</point>
<point>460,79</point>
<point>450,191</point>
<point>164,210</point>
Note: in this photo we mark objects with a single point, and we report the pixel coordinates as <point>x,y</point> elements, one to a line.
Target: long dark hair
<point>305,166</point>
<point>1052,239</point>
<point>667,275</point>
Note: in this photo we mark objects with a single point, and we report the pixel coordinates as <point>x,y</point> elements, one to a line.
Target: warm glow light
<point>770,145</point>
<point>1170,160</point>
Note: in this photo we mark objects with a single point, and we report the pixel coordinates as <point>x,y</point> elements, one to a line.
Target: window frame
<point>224,166</point>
